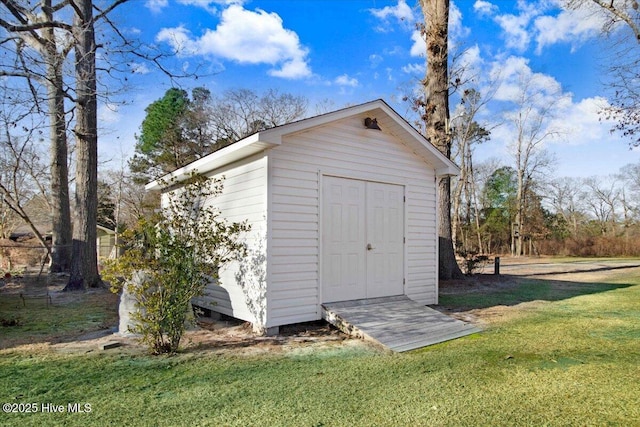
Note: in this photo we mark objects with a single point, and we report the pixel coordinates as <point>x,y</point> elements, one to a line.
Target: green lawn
<point>573,361</point>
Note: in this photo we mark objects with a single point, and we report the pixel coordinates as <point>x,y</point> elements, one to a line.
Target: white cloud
<point>179,38</point>
<point>109,113</point>
<point>246,37</point>
<point>419,47</point>
<point>414,68</point>
<point>469,65</point>
<point>375,60</point>
<point>515,29</point>
<point>471,58</point>
<point>572,122</point>
<point>139,68</point>
<point>579,123</point>
<point>546,22</point>
<point>210,5</point>
<point>156,6</point>
<point>515,74</point>
<point>345,80</point>
<point>401,12</point>
<point>573,26</point>
<point>457,31</point>
<point>295,68</point>
<point>485,8</point>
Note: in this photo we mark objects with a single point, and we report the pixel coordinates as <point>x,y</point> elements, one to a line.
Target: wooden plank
<point>397,322</point>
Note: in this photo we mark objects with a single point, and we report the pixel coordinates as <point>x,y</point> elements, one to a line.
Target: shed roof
<point>388,119</point>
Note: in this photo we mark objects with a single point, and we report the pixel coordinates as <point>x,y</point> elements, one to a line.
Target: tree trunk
<point>436,85</point>
<point>84,265</point>
<point>60,208</point>
<point>474,192</point>
<point>456,220</point>
<point>519,227</point>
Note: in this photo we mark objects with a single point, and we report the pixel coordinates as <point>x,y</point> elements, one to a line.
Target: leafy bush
<point>170,258</point>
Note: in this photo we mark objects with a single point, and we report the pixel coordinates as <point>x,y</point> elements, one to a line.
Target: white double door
<point>362,239</point>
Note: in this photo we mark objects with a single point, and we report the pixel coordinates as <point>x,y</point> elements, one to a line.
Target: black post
<point>496,266</point>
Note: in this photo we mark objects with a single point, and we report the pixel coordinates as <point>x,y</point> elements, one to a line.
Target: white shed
<point>339,211</point>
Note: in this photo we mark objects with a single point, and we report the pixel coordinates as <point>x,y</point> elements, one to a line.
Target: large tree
<point>467,133</point>
<point>171,134</point>
<point>36,44</point>
<point>436,116</point>
<point>84,264</point>
<point>531,122</point>
<point>52,43</point>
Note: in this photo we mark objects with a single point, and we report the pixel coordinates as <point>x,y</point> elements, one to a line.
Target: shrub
<point>179,251</point>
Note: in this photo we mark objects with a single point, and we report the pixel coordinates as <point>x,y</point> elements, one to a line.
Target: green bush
<point>170,258</point>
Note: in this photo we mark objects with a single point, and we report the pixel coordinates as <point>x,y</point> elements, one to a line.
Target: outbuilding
<point>342,206</point>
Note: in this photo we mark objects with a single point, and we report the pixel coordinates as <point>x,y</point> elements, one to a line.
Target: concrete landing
<point>398,323</point>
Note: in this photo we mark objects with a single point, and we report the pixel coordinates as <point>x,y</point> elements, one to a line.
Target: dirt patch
<point>226,336</point>
<point>219,337</point>
<point>484,317</point>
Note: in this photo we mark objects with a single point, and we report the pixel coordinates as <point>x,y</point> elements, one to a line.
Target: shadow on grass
<point>508,290</point>
<point>570,268</point>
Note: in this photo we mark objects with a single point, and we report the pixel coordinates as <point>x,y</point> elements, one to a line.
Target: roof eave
<point>244,148</point>
<point>270,138</point>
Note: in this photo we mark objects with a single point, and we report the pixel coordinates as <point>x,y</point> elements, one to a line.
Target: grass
<point>571,361</point>
<point>33,319</point>
<point>526,290</point>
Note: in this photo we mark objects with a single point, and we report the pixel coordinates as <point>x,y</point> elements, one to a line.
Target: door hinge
<point>404,240</point>
<point>404,281</point>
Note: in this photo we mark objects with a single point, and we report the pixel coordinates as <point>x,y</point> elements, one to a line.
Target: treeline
<point>595,216</point>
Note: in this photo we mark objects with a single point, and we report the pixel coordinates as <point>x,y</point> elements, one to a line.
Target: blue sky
<point>352,51</point>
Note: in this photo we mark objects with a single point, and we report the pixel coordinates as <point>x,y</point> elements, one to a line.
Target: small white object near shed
<point>339,211</point>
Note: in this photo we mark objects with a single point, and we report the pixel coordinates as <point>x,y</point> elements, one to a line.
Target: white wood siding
<point>244,197</point>
<point>343,148</point>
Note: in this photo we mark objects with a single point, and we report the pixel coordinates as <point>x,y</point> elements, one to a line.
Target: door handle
<point>369,246</point>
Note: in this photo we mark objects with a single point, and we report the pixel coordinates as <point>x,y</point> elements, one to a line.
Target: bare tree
<point>616,11</point>
<point>467,133</point>
<point>602,197</point>
<point>530,120</point>
<point>130,201</point>
<point>630,179</point>
<point>22,175</point>
<point>42,36</point>
<point>38,45</point>
<point>240,112</point>
<point>565,196</point>
<point>436,117</point>
<point>621,31</point>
